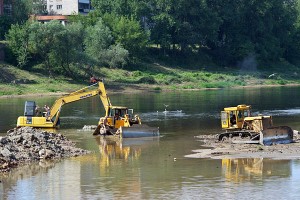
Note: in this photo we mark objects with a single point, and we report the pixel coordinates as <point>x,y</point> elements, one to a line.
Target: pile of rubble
<point>28,144</point>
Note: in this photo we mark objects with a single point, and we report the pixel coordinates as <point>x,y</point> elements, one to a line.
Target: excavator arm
<point>50,120</point>
<point>79,95</point>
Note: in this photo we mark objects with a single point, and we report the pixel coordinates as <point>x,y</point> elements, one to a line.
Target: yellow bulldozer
<point>117,120</point>
<point>239,122</point>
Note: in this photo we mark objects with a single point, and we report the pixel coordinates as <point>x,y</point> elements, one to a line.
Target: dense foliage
<point>119,32</point>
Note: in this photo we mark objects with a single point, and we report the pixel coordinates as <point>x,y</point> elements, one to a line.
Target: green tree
<point>19,14</point>
<point>68,48</point>
<point>117,7</point>
<point>43,39</point>
<point>99,45</point>
<point>127,33</point>
<point>258,27</point>
<point>18,41</point>
<point>38,7</point>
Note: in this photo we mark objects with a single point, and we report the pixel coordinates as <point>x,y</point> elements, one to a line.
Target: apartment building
<point>68,7</point>
<point>6,7</point>
<point>1,7</point>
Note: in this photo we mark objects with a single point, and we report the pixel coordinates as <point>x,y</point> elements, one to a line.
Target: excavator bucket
<point>276,135</point>
<point>139,130</point>
<point>134,131</point>
<point>97,130</point>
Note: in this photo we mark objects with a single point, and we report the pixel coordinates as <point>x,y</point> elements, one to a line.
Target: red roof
<point>50,17</point>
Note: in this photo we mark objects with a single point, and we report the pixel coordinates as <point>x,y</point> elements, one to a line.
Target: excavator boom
<point>115,117</point>
<point>52,121</point>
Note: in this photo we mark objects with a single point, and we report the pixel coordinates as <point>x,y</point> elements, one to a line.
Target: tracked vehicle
<point>238,123</point>
<point>118,120</point>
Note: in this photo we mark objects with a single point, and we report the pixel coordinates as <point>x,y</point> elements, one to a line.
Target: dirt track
<point>218,150</point>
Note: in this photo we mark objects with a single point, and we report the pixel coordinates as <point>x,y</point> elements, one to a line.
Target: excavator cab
<point>233,117</point>
<point>29,110</point>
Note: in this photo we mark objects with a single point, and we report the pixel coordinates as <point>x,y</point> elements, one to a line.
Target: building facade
<point>68,7</point>
<point>6,7</point>
<point>1,7</point>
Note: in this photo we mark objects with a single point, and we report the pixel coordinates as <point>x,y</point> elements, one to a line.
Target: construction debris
<point>28,144</point>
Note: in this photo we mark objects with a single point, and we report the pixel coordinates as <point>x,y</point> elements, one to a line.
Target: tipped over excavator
<point>239,123</point>
<point>118,120</point>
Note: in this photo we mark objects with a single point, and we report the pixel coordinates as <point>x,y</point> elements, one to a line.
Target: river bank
<point>133,89</point>
<point>18,82</point>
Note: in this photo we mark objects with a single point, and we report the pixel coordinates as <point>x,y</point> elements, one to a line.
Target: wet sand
<point>214,149</point>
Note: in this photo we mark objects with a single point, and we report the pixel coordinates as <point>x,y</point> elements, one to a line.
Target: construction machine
<point>50,118</point>
<point>238,122</point>
<point>117,120</point>
<point>121,121</point>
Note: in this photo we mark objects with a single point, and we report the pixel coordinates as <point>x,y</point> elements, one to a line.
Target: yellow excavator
<point>50,119</point>
<point>118,119</point>
<point>238,122</point>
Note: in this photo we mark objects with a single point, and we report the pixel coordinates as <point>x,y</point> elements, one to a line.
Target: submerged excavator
<point>118,120</point>
<point>239,123</point>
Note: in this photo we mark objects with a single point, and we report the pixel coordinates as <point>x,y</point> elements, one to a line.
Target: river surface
<point>155,168</point>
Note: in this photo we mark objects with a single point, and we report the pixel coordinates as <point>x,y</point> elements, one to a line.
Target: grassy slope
<point>152,76</point>
<point>35,83</point>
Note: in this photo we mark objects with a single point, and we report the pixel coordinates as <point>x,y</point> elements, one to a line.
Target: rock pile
<point>29,144</point>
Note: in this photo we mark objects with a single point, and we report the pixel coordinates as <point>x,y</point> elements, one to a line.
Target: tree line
<point>120,32</point>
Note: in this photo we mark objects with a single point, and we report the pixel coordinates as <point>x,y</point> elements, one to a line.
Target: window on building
<point>84,7</point>
<point>59,7</point>
<point>7,9</point>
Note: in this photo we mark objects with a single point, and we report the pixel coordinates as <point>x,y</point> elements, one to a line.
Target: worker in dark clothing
<point>233,119</point>
<point>93,79</point>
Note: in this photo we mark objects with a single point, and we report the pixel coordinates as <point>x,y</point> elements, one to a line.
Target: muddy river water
<point>156,168</point>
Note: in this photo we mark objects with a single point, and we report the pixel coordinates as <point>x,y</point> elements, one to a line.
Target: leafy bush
<point>171,80</point>
<point>147,80</point>
<point>137,73</point>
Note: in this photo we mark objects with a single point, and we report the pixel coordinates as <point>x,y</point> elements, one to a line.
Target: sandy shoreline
<point>219,150</point>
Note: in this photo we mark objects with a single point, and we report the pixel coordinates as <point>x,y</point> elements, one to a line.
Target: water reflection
<point>22,175</point>
<point>249,169</point>
<point>145,169</point>
<point>112,151</point>
<point>115,150</point>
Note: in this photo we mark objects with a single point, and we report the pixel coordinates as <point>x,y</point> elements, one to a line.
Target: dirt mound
<point>212,148</point>
<point>29,144</point>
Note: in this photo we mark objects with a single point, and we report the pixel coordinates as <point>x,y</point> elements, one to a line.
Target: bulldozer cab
<point>233,117</point>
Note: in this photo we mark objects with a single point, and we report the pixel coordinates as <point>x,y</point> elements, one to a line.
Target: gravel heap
<point>29,144</point>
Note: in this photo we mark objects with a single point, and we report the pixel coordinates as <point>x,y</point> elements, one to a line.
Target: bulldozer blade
<point>276,135</point>
<point>139,130</point>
